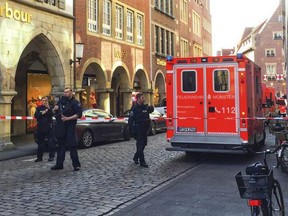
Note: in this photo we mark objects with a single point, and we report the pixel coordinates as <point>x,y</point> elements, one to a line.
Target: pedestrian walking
<point>67,111</point>
<point>139,122</point>
<point>44,130</point>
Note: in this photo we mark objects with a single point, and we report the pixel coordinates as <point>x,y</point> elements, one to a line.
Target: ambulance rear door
<point>206,102</point>
<point>222,100</point>
<point>189,106</point>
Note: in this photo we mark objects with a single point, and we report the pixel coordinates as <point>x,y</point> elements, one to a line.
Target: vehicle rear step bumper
<point>229,144</point>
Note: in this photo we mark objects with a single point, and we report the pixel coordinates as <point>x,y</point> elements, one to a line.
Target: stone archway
<point>39,57</point>
<point>94,94</point>
<point>141,84</point>
<point>159,88</point>
<point>120,97</point>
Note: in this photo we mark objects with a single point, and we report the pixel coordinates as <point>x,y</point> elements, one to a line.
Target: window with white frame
<point>139,29</point>
<point>164,41</point>
<point>197,51</point>
<point>278,35</point>
<point>196,23</point>
<point>166,6</point>
<point>171,44</point>
<point>157,50</point>
<point>271,68</point>
<point>129,26</point>
<point>93,15</point>
<point>184,48</point>
<point>106,25</point>
<point>119,22</point>
<point>270,52</point>
<point>184,10</point>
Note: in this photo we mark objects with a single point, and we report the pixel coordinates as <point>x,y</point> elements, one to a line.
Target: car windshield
<point>96,113</point>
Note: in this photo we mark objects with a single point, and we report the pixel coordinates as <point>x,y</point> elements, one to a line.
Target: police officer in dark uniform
<point>44,131</point>
<point>67,111</point>
<point>139,123</point>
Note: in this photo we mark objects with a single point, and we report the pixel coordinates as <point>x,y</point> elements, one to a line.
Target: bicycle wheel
<point>256,211</point>
<point>262,210</point>
<point>283,160</point>
<point>277,201</point>
<point>265,208</point>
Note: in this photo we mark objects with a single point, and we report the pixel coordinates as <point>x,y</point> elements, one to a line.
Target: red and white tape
<point>82,118</point>
<point>126,118</point>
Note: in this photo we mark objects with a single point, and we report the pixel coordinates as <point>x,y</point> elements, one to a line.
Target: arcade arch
<point>159,88</point>
<point>39,72</point>
<point>94,81</point>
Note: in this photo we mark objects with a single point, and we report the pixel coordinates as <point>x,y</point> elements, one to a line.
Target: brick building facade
<point>116,60</point>
<point>178,28</point>
<point>263,44</point>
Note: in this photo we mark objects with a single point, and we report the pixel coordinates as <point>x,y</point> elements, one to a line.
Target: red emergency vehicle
<point>281,106</point>
<point>214,104</point>
<point>268,100</point>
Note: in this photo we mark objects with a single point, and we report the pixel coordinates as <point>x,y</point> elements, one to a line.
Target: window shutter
<point>61,4</point>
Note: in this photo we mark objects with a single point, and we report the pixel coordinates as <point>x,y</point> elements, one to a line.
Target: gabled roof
<point>248,31</point>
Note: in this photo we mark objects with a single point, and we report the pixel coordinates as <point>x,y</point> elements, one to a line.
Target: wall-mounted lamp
<point>79,53</point>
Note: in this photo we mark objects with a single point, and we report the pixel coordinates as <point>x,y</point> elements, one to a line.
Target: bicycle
<point>281,145</point>
<point>262,190</point>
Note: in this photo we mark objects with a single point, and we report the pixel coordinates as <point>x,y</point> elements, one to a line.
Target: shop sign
<point>18,15</point>
<point>161,62</point>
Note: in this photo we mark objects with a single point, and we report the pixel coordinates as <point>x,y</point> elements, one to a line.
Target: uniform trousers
<point>68,139</point>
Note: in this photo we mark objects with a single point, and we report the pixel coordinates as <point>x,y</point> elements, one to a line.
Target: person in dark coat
<point>67,111</point>
<point>44,131</point>
<point>139,124</point>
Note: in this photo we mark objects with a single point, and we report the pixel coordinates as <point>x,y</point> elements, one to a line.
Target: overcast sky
<point>230,17</point>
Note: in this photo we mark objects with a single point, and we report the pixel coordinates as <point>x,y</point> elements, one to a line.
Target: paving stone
<point>108,180</point>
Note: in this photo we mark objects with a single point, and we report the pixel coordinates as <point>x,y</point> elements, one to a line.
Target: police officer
<point>44,116</point>
<point>139,122</point>
<point>67,111</point>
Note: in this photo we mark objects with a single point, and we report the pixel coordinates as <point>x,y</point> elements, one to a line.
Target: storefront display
<point>38,85</point>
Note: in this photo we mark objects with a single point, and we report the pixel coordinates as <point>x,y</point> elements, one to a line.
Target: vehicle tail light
<point>255,202</point>
<point>242,79</point>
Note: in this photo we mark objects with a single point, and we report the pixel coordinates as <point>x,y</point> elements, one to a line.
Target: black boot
<point>143,164</point>
<point>57,167</point>
<point>135,159</point>
<point>38,160</point>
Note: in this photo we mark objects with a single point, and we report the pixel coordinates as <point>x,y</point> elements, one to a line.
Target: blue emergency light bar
<point>169,58</point>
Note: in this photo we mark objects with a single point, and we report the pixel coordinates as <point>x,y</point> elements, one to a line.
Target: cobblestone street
<point>107,182</point>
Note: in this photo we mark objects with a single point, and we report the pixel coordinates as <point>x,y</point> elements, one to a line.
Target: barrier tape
<point>126,118</point>
<point>82,118</point>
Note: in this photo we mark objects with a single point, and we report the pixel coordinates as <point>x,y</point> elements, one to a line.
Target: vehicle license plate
<point>181,129</point>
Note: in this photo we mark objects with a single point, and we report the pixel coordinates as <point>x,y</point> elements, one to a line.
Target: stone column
<point>104,99</point>
<point>149,97</point>
<point>5,125</point>
<point>127,100</point>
